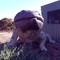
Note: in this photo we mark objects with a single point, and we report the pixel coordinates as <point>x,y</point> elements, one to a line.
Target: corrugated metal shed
<point>52,28</point>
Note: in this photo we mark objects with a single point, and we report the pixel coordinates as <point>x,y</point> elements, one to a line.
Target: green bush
<point>6,24</point>
<point>8,28</point>
<point>21,53</point>
<point>12,27</point>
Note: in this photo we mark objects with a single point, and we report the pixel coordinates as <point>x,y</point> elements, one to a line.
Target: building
<point>51,15</point>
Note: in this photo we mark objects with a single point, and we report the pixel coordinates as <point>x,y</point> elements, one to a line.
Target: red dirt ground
<point>53,50</point>
<point>5,36</point>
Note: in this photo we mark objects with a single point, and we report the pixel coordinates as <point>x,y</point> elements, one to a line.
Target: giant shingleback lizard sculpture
<point>29,29</point>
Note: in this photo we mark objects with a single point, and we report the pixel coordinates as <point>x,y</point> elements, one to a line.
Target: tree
<point>5,23</point>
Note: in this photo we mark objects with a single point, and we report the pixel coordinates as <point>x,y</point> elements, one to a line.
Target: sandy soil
<point>5,36</point>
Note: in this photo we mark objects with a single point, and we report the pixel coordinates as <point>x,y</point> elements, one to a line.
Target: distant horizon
<point>9,8</point>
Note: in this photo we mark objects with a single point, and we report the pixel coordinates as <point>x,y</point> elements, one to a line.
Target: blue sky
<point>9,8</point>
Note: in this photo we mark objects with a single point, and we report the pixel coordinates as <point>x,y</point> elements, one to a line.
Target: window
<point>53,17</point>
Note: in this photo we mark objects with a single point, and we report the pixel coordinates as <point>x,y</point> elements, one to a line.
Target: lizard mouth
<point>27,25</point>
<point>28,18</point>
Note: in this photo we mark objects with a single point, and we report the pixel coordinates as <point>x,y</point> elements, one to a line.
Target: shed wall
<point>52,29</point>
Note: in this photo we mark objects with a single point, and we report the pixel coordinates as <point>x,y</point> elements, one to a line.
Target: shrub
<point>8,28</point>
<point>12,27</point>
<point>21,53</point>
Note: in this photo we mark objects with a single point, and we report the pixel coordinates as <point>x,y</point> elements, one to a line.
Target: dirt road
<point>5,36</point>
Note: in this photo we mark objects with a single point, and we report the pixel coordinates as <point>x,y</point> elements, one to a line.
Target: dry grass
<point>5,36</point>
